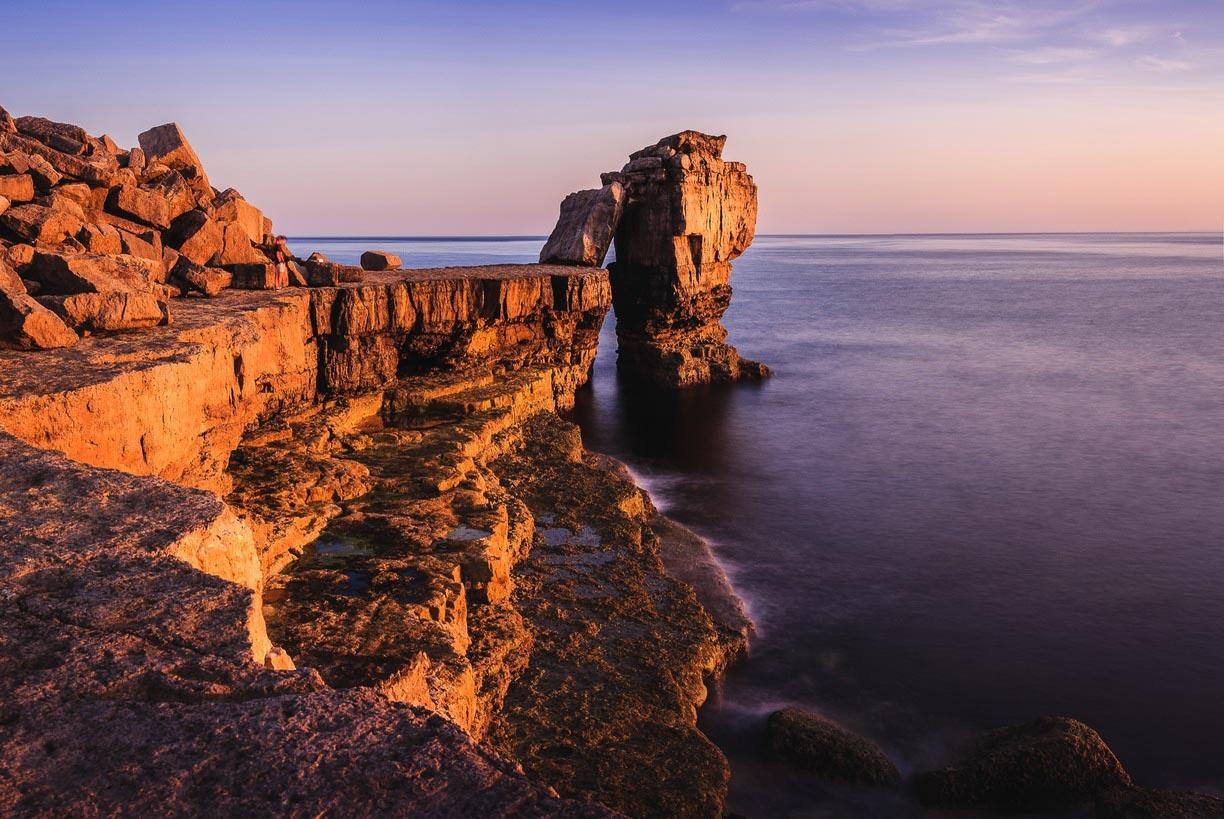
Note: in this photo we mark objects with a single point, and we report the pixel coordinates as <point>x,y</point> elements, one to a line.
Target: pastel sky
<point>855,116</point>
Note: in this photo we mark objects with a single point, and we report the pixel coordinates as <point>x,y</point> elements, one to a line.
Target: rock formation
<point>817,744</point>
<point>585,227</point>
<point>380,260</point>
<point>679,214</point>
<point>82,202</point>
<point>1049,763</point>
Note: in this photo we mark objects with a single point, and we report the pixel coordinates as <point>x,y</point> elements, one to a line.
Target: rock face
<point>380,260</point>
<point>815,743</point>
<point>132,648</point>
<point>1052,762</point>
<point>585,228</point>
<point>689,214</point>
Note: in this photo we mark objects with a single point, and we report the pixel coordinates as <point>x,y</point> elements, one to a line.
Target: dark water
<point>984,485</point>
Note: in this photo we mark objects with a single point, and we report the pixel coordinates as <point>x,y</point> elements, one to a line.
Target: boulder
<point>97,169</point>
<point>70,139</point>
<point>236,248</point>
<point>146,206</point>
<point>168,145</point>
<point>17,188</point>
<point>1049,763</point>
<point>199,279</point>
<point>20,256</point>
<point>195,236</point>
<point>380,260</point>
<point>323,272</point>
<point>45,176</point>
<point>63,274</point>
<point>110,311</point>
<point>24,323</point>
<point>4,204</point>
<point>39,225</point>
<point>78,192</point>
<point>136,161</point>
<point>1141,803</point>
<point>817,744</point>
<point>585,228</point>
<point>174,188</point>
<point>254,276</point>
<point>230,207</point>
<point>7,123</point>
<point>101,239</point>
<point>57,201</point>
<point>142,245</point>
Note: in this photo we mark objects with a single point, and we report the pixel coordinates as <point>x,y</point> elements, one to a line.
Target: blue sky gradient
<point>477,117</point>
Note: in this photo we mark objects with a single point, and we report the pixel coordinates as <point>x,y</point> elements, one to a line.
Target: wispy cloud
<point>1052,55</point>
<point>1120,37</point>
<point>1162,65</point>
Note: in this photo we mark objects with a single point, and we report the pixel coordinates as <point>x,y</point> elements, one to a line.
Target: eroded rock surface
<point>585,228</point>
<point>689,214</point>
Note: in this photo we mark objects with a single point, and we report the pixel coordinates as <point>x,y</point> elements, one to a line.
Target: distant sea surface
<point>985,484</point>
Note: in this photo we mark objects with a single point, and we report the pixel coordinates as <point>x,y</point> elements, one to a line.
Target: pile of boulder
<point>94,237</point>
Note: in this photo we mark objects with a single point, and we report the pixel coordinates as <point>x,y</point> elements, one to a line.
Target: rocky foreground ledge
<point>319,549</point>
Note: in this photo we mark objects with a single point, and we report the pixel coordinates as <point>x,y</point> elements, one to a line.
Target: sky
<point>469,118</point>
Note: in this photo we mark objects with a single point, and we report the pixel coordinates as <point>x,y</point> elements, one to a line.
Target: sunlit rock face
<point>689,214</point>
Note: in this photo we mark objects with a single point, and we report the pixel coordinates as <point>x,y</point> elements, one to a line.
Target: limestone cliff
<point>324,549</point>
<point>687,214</point>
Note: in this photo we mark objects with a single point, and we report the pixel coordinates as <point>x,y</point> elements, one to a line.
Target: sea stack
<point>689,214</point>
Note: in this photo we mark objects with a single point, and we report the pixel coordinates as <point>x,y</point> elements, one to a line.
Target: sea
<point>985,484</point>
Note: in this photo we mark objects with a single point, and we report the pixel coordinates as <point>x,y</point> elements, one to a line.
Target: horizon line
<point>477,237</point>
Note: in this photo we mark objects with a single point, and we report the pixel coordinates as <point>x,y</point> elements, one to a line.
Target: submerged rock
<point>1141,803</point>
<point>1051,762</point>
<point>585,228</point>
<point>818,744</point>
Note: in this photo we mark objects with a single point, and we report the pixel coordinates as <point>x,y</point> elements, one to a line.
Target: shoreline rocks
<point>1051,762</point>
<point>815,743</point>
<point>380,260</point>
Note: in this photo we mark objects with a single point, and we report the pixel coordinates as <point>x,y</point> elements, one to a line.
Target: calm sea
<point>985,484</point>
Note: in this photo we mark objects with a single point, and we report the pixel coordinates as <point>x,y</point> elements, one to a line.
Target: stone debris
<point>66,194</point>
<point>380,260</point>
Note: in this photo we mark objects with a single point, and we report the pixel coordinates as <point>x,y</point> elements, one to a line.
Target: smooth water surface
<point>985,484</point>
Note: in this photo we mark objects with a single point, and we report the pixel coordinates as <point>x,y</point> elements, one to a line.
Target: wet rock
<point>585,228</point>
<point>196,236</point>
<point>24,323</point>
<point>816,743</point>
<point>1048,763</point>
<point>1141,803</point>
<point>380,260</point>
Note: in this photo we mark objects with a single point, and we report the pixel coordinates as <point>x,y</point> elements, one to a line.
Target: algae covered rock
<point>1051,762</point>
<point>817,744</point>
